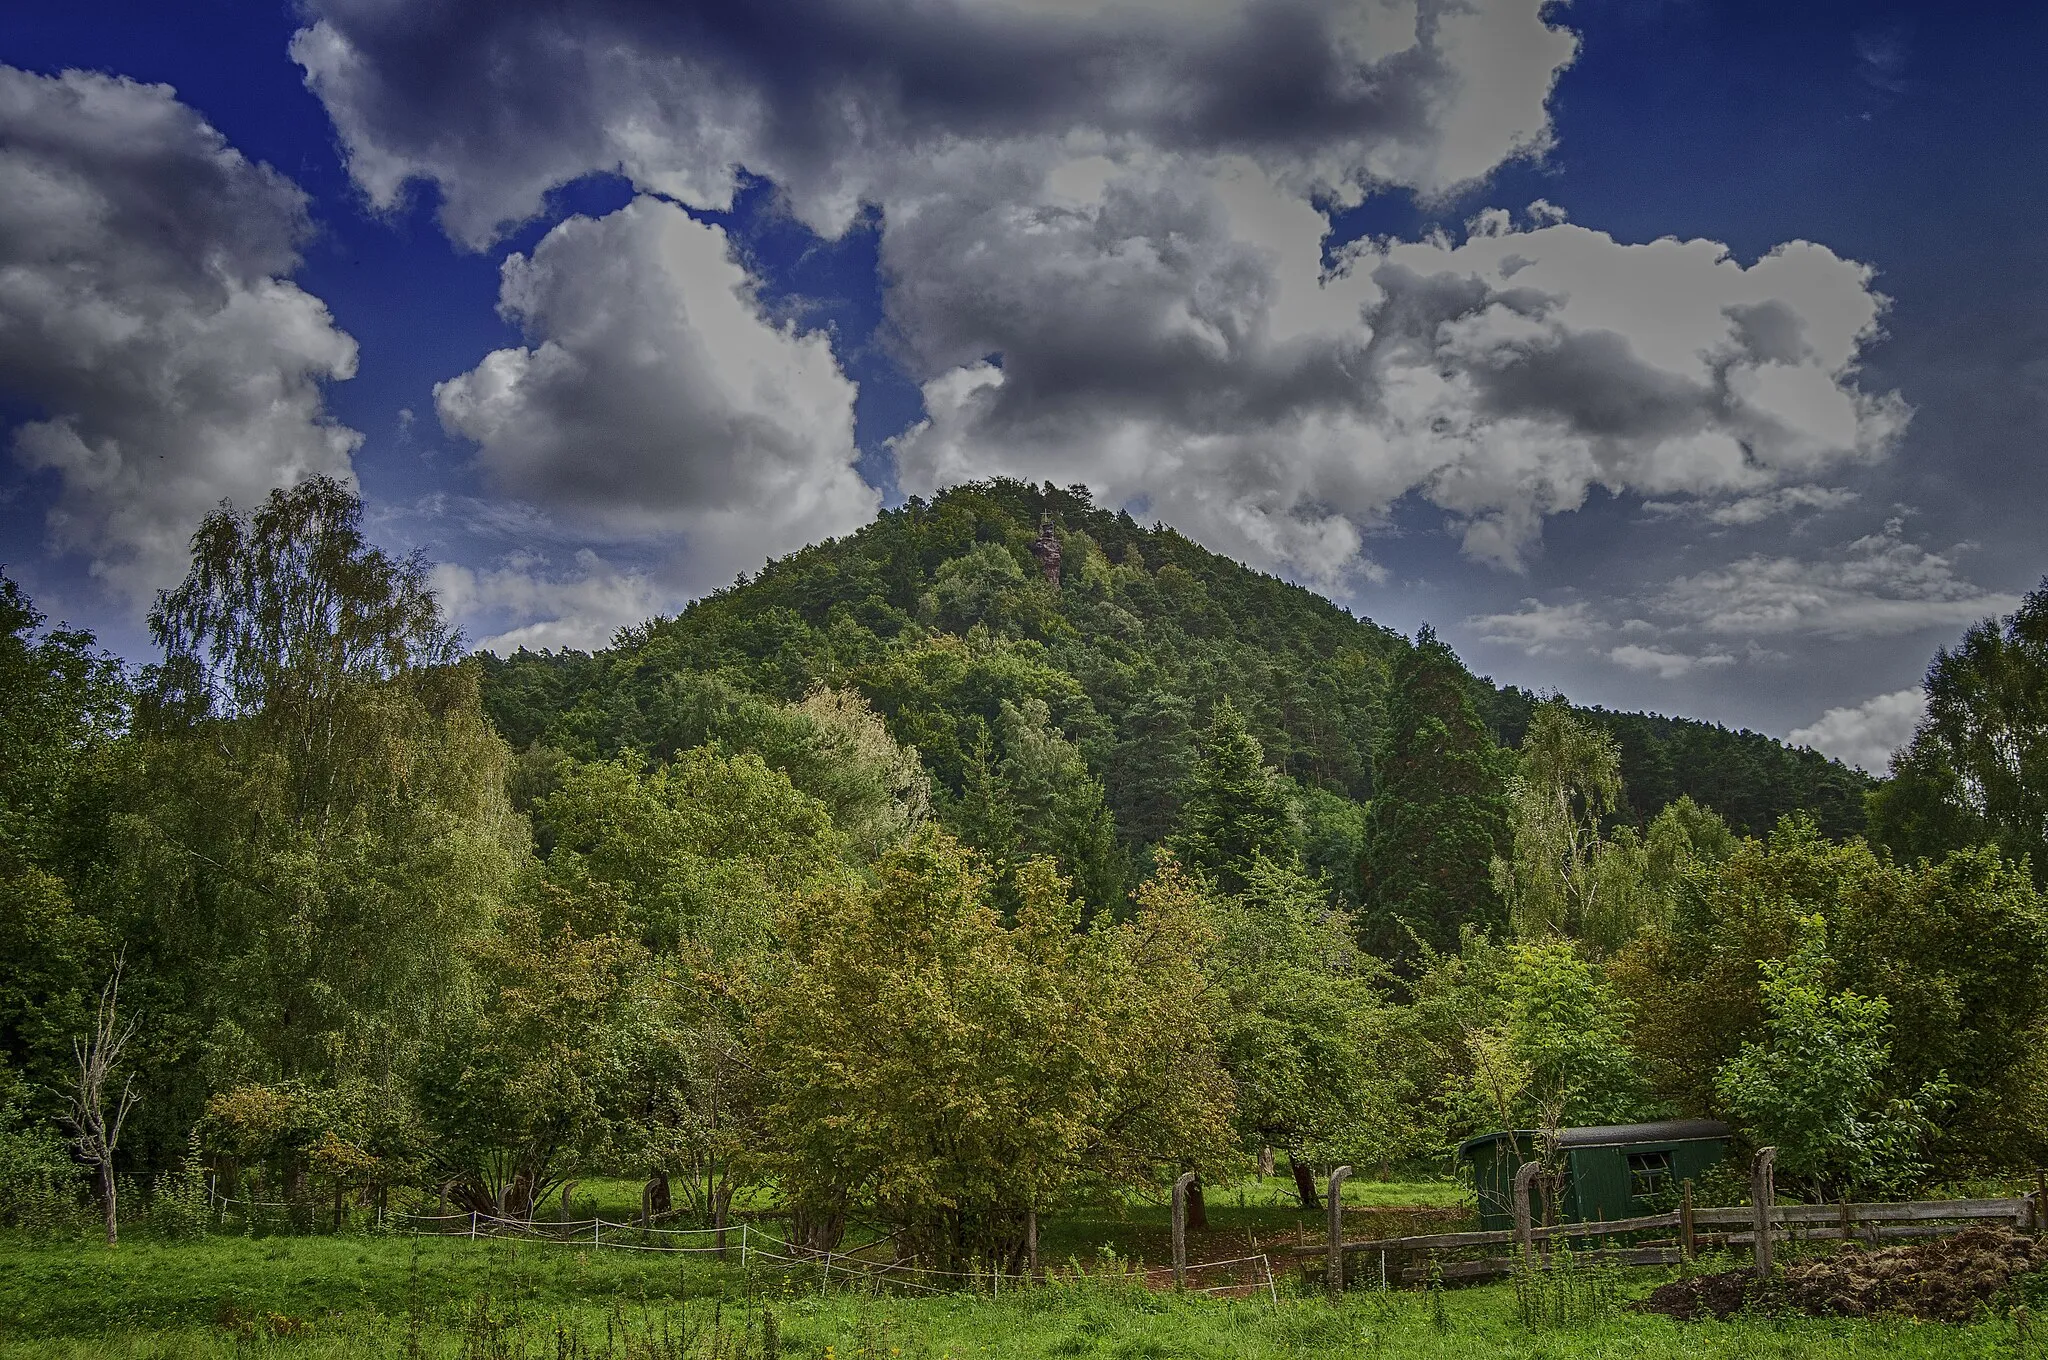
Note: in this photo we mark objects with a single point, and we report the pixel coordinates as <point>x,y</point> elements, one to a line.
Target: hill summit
<point>998,617</point>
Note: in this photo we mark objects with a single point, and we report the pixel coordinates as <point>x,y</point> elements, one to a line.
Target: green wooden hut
<point>1615,1171</point>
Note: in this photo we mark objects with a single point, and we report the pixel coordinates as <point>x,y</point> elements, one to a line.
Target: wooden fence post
<point>1524,1225</point>
<point>1763,1194</point>
<point>1180,1230</point>
<point>1031,1245</point>
<point>1688,1243</point>
<point>1337,1232</point>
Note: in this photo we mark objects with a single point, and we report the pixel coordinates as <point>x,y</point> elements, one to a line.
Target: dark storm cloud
<point>497,101</point>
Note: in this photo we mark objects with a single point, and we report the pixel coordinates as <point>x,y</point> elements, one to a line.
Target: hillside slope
<point>938,613</point>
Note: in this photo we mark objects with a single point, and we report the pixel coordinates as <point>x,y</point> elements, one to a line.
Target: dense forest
<point>937,615</point>
<point>1003,855</point>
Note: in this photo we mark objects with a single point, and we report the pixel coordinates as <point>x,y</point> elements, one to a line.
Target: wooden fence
<point>1757,1226</point>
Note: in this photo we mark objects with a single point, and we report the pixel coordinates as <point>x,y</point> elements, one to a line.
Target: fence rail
<point>756,1247</point>
<point>1415,1259</point>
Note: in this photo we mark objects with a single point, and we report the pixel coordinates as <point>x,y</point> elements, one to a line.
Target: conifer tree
<point>1440,812</point>
<point>1233,807</point>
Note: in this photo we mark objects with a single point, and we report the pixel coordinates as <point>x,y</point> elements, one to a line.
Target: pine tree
<point>1440,812</point>
<point>1233,807</point>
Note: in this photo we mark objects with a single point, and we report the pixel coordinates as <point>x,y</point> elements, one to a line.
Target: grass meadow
<point>369,1295</point>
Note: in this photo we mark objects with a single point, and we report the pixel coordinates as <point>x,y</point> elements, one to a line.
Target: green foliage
<point>1304,1031</point>
<point>1813,1085</point>
<point>1977,769</point>
<point>1233,810</point>
<point>1546,1045</point>
<point>936,615</point>
<point>930,1066</point>
<point>698,850</point>
<point>1956,950</point>
<point>1038,800</point>
<point>40,1183</point>
<point>62,702</point>
<point>308,821</point>
<point>1571,873</point>
<point>517,1086</point>
<point>1567,780</point>
<point>1440,814</point>
<point>1750,779</point>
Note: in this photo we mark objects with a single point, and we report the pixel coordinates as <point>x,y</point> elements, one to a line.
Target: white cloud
<point>1103,263</point>
<point>536,606</point>
<point>1171,337</point>
<point>1537,628</point>
<point>1664,663</point>
<point>146,310</point>
<point>656,403</point>
<point>1880,586</point>
<point>1747,510</point>
<point>1866,734</point>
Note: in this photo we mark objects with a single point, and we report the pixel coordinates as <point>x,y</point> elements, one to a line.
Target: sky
<point>1674,355</point>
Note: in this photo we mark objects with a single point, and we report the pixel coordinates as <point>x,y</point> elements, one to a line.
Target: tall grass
<point>365,1298</point>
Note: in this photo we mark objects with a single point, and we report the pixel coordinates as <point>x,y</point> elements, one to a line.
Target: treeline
<point>935,614</point>
<point>892,917</point>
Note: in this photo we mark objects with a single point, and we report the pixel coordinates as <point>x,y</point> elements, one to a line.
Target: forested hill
<point>938,613</point>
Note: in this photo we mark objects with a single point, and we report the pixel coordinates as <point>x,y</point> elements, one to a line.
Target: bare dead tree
<point>96,1132</point>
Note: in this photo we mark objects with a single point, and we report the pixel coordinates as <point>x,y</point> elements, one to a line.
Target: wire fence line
<point>755,1246</point>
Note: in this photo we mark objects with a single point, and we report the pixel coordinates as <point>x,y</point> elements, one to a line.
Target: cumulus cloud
<point>1104,256</point>
<point>831,98</point>
<point>1880,586</point>
<point>656,402</point>
<point>1664,663</point>
<point>147,314</point>
<point>1537,628</point>
<point>1170,335</point>
<point>1866,734</point>
<point>1875,586</point>
<point>533,604</point>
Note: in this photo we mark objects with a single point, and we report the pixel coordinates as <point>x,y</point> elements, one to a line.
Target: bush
<point>179,1206</point>
<point>39,1183</point>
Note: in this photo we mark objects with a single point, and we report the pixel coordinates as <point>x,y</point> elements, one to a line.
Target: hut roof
<point>1615,1135</point>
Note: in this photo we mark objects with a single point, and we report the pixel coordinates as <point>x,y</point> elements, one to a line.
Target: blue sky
<point>602,305</point>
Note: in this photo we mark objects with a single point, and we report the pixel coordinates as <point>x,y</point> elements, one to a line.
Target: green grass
<point>364,1297</point>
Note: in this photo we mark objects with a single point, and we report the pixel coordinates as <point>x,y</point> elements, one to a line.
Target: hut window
<point>1649,1173</point>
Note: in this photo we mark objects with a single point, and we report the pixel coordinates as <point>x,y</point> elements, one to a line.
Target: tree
<point>1439,813</point>
<point>695,852</point>
<point>1958,951</point>
<point>1233,809</point>
<point>523,1082</point>
<point>1303,1030</point>
<point>1038,799</point>
<point>1556,1050</point>
<point>98,1112</point>
<point>1977,768</point>
<point>1568,778</point>
<point>1569,874</point>
<point>312,817</point>
<point>62,703</point>
<point>1812,1086</point>
<point>928,1065</point>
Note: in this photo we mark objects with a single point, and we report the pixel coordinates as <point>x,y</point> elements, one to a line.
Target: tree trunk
<point>106,1169</point>
<point>1198,1208</point>
<point>1305,1184</point>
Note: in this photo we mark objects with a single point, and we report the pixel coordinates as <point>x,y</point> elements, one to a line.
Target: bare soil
<point>1946,1279</point>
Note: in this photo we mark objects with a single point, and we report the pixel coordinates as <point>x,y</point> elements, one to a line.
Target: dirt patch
<point>1947,1279</point>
